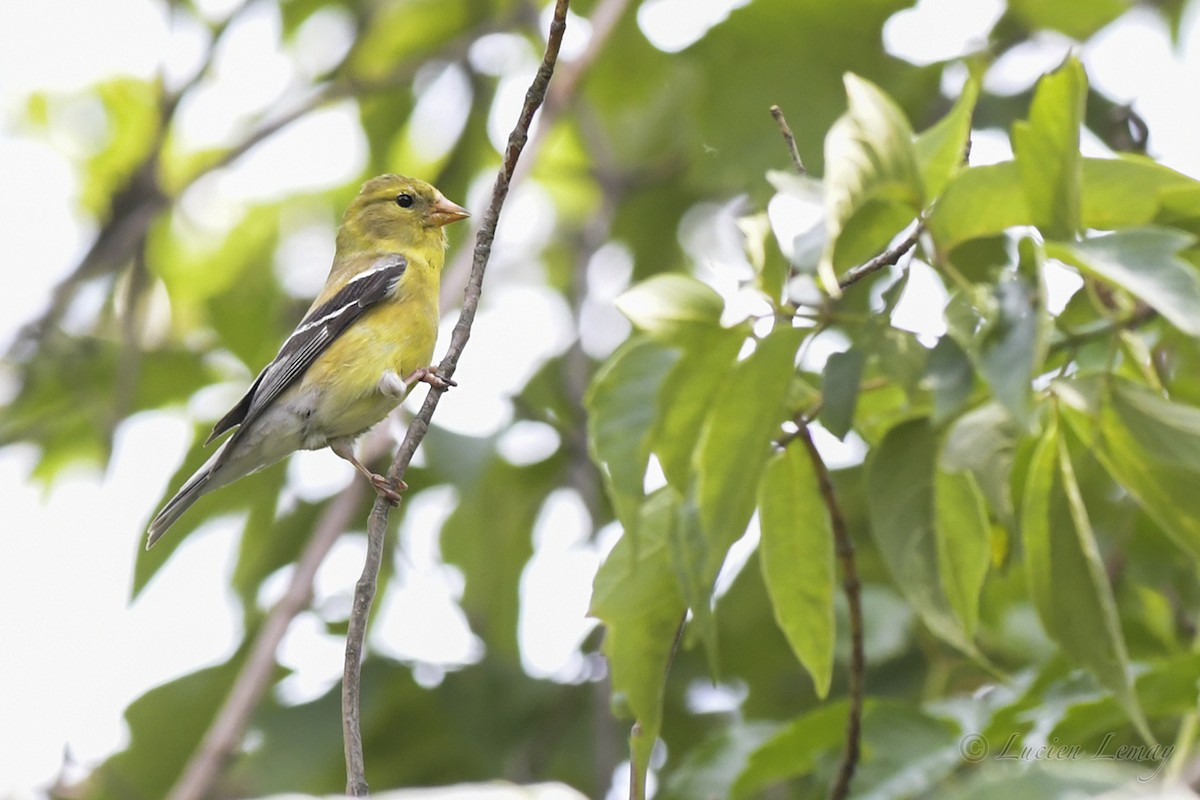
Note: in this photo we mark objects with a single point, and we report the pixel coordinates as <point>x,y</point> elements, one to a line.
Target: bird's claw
<point>430,375</point>
<point>388,489</point>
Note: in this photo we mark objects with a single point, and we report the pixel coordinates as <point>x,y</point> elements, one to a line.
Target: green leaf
<point>900,502</point>
<point>1168,431</point>
<point>951,377</point>
<point>839,390</point>
<point>872,178</point>
<point>1047,151</point>
<point>984,441</point>
<point>710,769</point>
<point>794,750</point>
<point>636,596</point>
<point>686,397</point>
<point>941,150</point>
<point>735,442</point>
<point>666,303</point>
<point>1012,346</point>
<point>1129,191</point>
<point>1145,443</point>
<point>1117,193</point>
<point>621,403</point>
<point>1144,262</point>
<point>964,546</point>
<point>980,201</point>
<point>796,555</point>
<point>132,119</point>
<point>1066,575</point>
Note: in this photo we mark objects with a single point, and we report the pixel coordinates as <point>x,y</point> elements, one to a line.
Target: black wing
<point>314,333</point>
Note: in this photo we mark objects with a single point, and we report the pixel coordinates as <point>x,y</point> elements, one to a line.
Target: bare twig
<point>604,20</point>
<point>844,547</point>
<point>225,733</point>
<point>789,138</point>
<point>887,258</point>
<point>356,783</point>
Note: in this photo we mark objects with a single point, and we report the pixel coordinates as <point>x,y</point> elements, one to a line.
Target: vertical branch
<point>844,547</point>
<point>356,783</point>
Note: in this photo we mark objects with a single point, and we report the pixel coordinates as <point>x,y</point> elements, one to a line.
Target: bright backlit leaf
<point>871,172</point>
<point>664,304</point>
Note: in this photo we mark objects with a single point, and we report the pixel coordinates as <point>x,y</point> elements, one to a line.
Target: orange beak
<point>443,212</point>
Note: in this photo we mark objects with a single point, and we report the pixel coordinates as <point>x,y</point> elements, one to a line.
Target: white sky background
<point>72,653</point>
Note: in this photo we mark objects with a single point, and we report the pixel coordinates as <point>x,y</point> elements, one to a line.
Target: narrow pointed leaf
<point>687,395</point>
<point>1066,575</point>
<point>796,555</point>
<point>964,545</point>
<point>1047,151</point>
<point>839,390</point>
<point>736,442</point>
<point>941,150</point>
<point>636,595</point>
<point>621,415</point>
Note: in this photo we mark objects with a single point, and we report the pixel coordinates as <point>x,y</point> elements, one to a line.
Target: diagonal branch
<point>364,594</point>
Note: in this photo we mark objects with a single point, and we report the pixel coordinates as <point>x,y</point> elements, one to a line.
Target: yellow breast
<point>398,334</point>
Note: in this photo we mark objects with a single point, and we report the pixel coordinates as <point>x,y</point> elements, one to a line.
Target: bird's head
<point>394,212</point>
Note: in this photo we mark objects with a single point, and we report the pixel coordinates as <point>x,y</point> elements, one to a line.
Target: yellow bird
<point>365,341</point>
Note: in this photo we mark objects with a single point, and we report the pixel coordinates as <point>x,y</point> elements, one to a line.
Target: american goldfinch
<point>365,341</point>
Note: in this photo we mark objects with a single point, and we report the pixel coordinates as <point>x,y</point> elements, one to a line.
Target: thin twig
<point>356,783</point>
<point>225,733</point>
<point>789,138</point>
<point>887,258</point>
<point>567,77</point>
<point>844,547</point>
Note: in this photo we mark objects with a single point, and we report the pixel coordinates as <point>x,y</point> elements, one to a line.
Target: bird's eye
<point>404,200</point>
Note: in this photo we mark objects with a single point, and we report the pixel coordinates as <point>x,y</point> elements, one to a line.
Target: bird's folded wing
<point>312,336</point>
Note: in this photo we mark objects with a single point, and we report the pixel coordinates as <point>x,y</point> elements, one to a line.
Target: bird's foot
<point>388,489</point>
<point>429,375</point>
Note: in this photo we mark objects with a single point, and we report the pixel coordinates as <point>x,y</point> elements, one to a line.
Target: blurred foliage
<point>1018,489</point>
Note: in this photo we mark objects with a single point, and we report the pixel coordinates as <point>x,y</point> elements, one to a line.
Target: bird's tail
<point>196,485</point>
